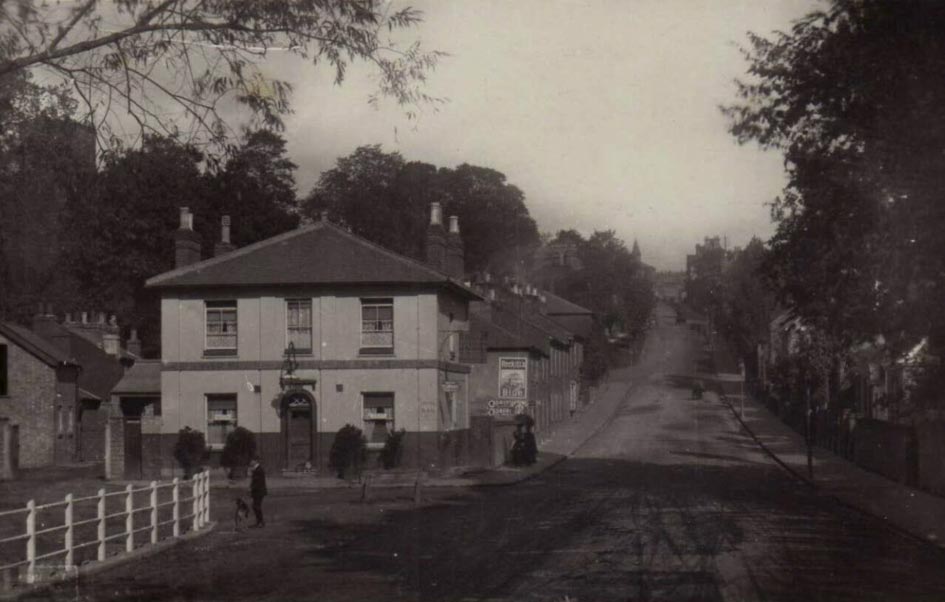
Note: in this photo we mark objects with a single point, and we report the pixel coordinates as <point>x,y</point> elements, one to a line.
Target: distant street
<point>668,502</point>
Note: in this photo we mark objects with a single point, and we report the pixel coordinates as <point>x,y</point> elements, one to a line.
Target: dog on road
<point>241,514</point>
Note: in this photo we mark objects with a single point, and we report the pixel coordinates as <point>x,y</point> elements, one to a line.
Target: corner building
<point>375,339</point>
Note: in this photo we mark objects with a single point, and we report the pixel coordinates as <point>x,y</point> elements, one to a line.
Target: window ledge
<point>375,351</point>
<point>304,352</point>
<point>212,353</point>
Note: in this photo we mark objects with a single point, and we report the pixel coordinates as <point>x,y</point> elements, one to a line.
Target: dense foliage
<point>121,231</point>
<point>612,282</point>
<point>190,450</point>
<point>348,451</point>
<point>853,96</point>
<point>393,451</point>
<point>162,63</point>
<point>238,450</point>
<point>385,199</point>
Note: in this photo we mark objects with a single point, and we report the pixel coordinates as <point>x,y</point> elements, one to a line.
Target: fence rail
<point>86,539</point>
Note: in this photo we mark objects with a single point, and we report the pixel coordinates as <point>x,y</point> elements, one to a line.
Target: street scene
<point>549,300</point>
<point>669,498</point>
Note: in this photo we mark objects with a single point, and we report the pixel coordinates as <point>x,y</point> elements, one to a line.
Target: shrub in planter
<point>348,451</point>
<point>239,449</point>
<point>190,450</point>
<point>393,449</point>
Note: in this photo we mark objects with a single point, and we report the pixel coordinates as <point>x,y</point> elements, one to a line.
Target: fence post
<point>129,519</point>
<point>101,524</point>
<point>154,512</point>
<point>196,510</point>
<point>31,541</point>
<point>68,536</point>
<point>206,499</point>
<point>175,493</point>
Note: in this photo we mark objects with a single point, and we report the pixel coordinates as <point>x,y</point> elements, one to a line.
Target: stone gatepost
<point>115,447</point>
<point>9,450</point>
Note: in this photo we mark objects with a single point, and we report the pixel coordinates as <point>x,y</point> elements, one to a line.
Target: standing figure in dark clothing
<point>257,490</point>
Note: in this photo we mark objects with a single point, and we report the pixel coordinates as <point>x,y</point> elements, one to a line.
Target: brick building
<point>39,395</point>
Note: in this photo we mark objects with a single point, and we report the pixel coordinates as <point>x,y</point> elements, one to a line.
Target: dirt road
<point>668,502</point>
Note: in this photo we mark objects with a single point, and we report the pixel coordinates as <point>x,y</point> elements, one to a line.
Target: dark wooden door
<point>133,447</point>
<point>300,435</point>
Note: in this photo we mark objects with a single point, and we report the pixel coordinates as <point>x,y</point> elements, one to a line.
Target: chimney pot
<point>455,253</point>
<point>186,219</point>
<point>436,248</point>
<point>224,246</point>
<point>436,214</point>
<point>186,241</point>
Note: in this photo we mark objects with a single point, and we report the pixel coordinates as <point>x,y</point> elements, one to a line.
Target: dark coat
<point>257,483</point>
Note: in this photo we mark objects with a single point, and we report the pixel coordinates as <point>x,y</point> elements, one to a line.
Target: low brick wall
<point>482,441</point>
<point>889,449</point>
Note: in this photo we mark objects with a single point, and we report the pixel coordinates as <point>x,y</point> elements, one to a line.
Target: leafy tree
<point>256,188</point>
<point>368,192</point>
<point>745,303</point>
<point>382,197</point>
<point>46,160</point>
<point>138,57</point>
<point>123,233</point>
<point>496,227</point>
<point>612,282</point>
<point>853,95</point>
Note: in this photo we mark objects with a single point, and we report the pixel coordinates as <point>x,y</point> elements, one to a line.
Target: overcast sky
<point>603,112</point>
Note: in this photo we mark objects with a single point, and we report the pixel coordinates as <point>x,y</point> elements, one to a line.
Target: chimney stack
<point>436,239</point>
<point>224,246</point>
<point>186,241</point>
<point>455,252</point>
<point>133,345</point>
<point>44,322</point>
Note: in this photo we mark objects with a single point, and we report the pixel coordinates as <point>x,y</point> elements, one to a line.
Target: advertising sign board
<point>513,378</point>
<point>505,408</point>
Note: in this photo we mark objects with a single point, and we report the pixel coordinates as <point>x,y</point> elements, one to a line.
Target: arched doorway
<point>298,427</point>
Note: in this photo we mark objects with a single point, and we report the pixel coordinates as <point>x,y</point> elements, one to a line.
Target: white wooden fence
<point>92,528</point>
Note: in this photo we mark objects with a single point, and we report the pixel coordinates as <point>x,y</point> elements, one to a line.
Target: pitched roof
<point>557,306</point>
<point>100,370</point>
<point>144,378</point>
<point>498,337</point>
<point>553,329</point>
<point>321,253</point>
<point>579,325</point>
<point>35,345</point>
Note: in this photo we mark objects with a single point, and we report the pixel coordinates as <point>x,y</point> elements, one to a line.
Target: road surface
<point>668,502</point>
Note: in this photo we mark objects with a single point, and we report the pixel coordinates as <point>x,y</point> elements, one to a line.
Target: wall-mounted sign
<point>506,408</point>
<point>450,386</point>
<point>513,378</point>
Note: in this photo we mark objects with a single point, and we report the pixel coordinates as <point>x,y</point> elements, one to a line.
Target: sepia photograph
<point>472,300</point>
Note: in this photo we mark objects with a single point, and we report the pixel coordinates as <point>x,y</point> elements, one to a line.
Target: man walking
<point>257,490</point>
